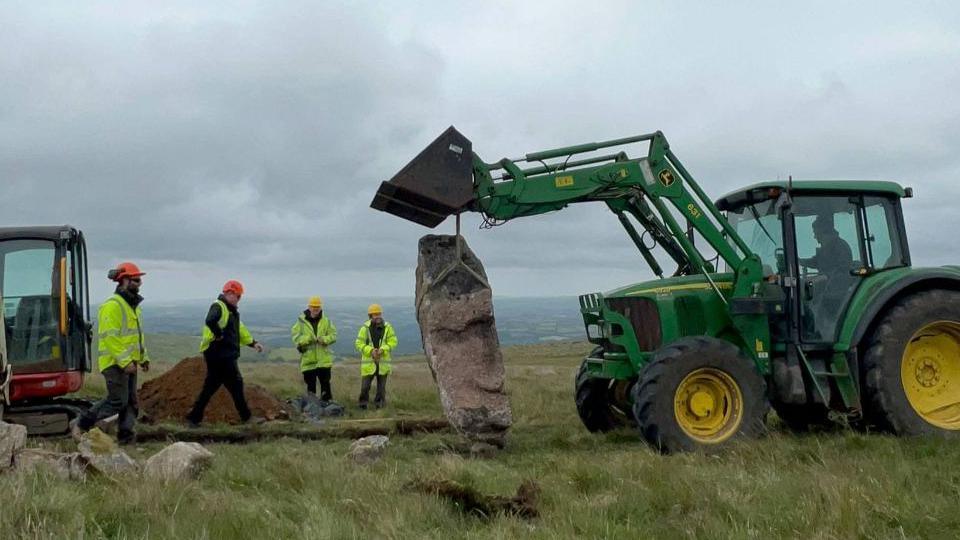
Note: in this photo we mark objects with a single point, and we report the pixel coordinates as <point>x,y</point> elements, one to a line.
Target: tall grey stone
<point>455,313</point>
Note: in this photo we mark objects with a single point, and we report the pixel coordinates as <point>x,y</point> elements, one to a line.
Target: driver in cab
<point>833,257</point>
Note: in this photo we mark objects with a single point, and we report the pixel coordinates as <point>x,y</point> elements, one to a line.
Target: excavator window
<point>27,272</point>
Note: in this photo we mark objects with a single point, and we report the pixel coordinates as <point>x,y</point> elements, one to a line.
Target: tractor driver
<point>834,260</point>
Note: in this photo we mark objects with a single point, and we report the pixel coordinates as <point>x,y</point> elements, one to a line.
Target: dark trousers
<point>121,399</point>
<point>381,397</point>
<point>322,374</point>
<point>220,372</point>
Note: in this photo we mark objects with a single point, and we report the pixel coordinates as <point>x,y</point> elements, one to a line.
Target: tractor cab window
<point>828,232</point>
<point>759,226</point>
<point>29,303</point>
<point>881,231</point>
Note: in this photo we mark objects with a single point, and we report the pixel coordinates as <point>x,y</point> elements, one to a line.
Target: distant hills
<point>519,320</point>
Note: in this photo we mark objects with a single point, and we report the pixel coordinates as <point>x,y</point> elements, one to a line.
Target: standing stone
<point>455,313</point>
<point>13,437</point>
<point>179,461</point>
<point>103,454</point>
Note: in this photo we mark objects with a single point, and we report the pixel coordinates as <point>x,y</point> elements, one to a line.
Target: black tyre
<point>697,394</point>
<point>803,417</point>
<point>911,368</point>
<point>597,403</point>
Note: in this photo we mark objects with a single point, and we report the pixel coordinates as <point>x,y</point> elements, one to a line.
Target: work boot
<point>126,438</point>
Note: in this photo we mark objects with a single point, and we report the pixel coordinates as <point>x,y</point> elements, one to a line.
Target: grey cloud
<point>246,139</point>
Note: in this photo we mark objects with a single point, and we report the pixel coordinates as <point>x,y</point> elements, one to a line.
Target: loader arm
<point>448,178</point>
<point>644,188</point>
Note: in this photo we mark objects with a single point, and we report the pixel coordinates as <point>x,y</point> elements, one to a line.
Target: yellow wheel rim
<point>930,372</point>
<point>708,405</point>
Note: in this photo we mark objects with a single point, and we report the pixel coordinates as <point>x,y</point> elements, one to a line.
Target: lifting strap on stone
<point>457,263</point>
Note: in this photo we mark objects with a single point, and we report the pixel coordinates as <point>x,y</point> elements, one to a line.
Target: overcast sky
<point>208,141</point>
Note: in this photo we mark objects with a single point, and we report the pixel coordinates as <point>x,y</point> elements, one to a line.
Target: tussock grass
<point>839,484</point>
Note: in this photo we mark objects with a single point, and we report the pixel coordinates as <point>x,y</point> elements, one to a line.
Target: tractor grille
<point>644,318</point>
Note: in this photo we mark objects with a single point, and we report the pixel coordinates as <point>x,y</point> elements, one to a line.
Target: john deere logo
<point>666,177</point>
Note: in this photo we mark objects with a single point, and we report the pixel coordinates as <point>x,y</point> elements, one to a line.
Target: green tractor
<point>798,295</point>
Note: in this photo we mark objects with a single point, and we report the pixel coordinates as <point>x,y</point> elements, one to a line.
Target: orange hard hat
<point>125,270</point>
<point>233,286</point>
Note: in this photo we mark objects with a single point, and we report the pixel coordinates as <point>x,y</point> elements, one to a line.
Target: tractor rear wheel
<point>597,402</point>
<point>912,366</point>
<point>698,393</point>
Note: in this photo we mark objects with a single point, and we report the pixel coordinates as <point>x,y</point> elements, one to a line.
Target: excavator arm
<point>447,178</point>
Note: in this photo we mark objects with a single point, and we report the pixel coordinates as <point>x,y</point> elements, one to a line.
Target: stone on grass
<point>104,455</point>
<point>179,461</point>
<point>13,437</point>
<point>368,449</point>
<point>455,314</point>
<point>70,466</point>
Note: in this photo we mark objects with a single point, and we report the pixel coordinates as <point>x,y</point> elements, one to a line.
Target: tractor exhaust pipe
<point>438,182</point>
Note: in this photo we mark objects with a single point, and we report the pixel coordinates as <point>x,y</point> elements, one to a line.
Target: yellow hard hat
<point>374,309</point>
<point>315,301</point>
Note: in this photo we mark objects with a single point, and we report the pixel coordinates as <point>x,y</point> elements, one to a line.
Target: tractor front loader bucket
<point>436,184</point>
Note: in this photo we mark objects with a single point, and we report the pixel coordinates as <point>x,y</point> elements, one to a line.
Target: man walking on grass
<point>223,334</point>
<point>121,352</point>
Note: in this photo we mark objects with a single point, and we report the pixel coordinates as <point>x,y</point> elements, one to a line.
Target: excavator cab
<point>46,313</point>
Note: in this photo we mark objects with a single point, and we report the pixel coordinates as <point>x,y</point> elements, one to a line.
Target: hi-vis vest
<point>365,348</point>
<point>119,334</point>
<point>245,337</point>
<point>316,355</point>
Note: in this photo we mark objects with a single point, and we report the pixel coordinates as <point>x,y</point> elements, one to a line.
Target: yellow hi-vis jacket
<point>365,348</point>
<point>245,337</point>
<point>316,355</point>
<point>120,334</point>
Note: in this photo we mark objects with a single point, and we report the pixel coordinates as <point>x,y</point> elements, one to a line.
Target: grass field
<point>829,485</point>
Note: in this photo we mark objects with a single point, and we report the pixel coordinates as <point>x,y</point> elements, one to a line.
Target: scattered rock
<point>483,450</point>
<point>103,454</point>
<point>368,449</point>
<point>312,407</point>
<point>455,313</point>
<point>70,466</point>
<point>171,395</point>
<point>13,437</point>
<point>470,501</point>
<point>179,461</point>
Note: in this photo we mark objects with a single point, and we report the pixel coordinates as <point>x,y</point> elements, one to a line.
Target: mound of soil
<point>171,395</point>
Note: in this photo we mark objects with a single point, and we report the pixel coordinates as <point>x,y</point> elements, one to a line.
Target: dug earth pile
<point>170,396</point>
<point>455,313</point>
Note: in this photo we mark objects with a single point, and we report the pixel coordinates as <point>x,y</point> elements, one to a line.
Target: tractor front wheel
<point>698,393</point>
<point>912,366</point>
<point>597,402</point>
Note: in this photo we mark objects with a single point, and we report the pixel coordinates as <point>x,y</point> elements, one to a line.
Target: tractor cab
<point>821,240</point>
<point>43,285</point>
